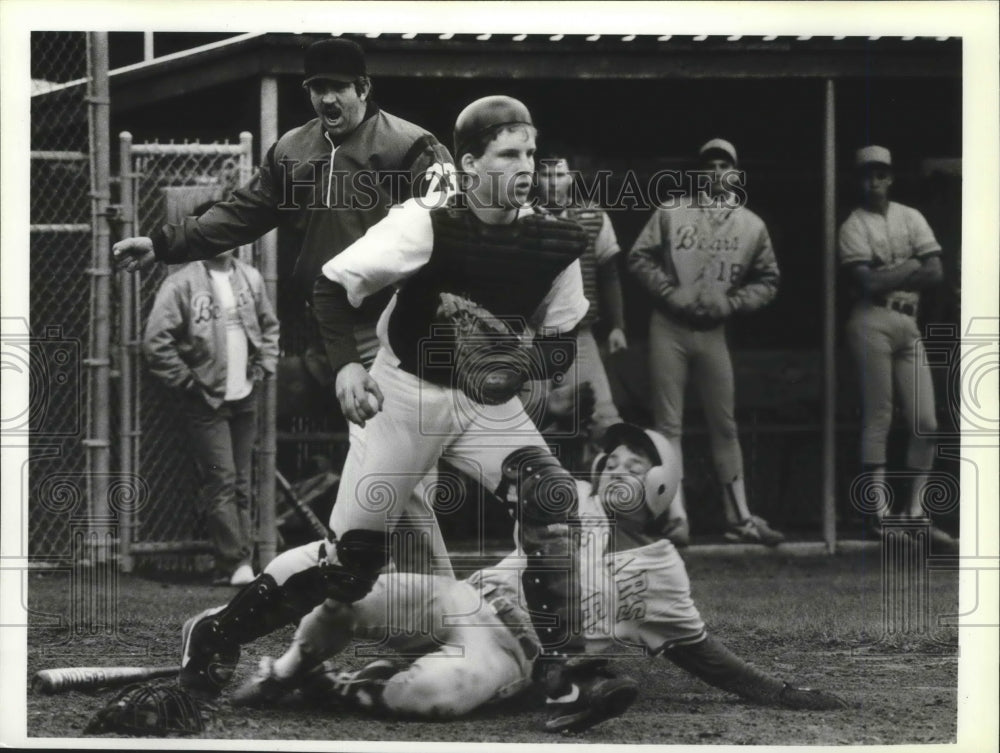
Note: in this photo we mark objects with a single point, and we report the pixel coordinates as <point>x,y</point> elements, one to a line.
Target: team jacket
<point>327,196</point>
<point>692,246</point>
<point>526,272</point>
<point>185,333</point>
<point>886,241</point>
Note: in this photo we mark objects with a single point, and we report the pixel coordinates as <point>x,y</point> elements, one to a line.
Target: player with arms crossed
<point>892,255</point>
<point>429,395</point>
<point>473,640</point>
<point>703,261</point>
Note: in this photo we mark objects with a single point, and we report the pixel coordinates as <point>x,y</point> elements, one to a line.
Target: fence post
<point>98,364</point>
<point>267,533</point>
<point>829,318</point>
<point>127,419</point>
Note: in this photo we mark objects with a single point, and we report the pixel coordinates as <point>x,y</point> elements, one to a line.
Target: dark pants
<point>222,442</point>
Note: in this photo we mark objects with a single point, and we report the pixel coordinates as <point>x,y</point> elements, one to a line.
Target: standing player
<point>601,285</point>
<point>704,260</point>
<point>323,184</point>
<point>892,255</point>
<point>472,639</point>
<point>426,398</point>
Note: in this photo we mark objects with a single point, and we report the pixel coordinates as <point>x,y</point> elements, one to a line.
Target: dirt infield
<point>812,620</point>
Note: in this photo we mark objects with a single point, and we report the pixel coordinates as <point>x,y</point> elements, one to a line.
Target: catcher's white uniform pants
<point>419,423</point>
<point>887,347</point>
<point>674,350</point>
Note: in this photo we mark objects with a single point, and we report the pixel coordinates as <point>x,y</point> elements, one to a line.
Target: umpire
<point>324,183</point>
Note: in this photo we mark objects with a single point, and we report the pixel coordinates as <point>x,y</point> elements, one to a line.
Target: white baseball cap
<point>868,155</point>
<point>719,145</point>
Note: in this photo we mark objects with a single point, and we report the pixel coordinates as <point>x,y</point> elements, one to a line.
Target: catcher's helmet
<point>484,115</point>
<point>661,481</point>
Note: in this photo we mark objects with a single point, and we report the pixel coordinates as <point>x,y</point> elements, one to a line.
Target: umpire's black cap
<point>336,60</point>
<point>484,115</point>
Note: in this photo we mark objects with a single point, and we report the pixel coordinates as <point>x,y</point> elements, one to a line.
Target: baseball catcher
<point>422,401</point>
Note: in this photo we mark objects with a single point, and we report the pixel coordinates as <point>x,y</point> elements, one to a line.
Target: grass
<point>812,620</point>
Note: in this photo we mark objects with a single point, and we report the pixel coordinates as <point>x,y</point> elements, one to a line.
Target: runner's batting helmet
<point>661,481</point>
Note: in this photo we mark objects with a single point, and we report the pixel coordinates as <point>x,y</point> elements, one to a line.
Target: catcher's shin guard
<point>212,640</point>
<point>712,662</point>
<point>359,556</point>
<point>546,497</point>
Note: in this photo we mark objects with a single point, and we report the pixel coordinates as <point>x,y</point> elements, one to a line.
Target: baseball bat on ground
<point>61,679</point>
<point>302,506</point>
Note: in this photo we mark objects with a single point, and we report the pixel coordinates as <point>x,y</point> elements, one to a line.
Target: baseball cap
<point>873,154</point>
<point>486,113</point>
<point>718,145</point>
<point>334,59</point>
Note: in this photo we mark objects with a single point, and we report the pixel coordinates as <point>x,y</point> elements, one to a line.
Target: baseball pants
<point>888,351</point>
<point>588,367</point>
<point>419,423</point>
<point>675,351</point>
<point>418,516</point>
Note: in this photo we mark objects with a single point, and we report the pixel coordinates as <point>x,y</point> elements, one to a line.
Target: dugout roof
<point>548,56</point>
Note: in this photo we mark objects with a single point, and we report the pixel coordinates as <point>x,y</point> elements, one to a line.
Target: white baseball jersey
<point>886,241</point>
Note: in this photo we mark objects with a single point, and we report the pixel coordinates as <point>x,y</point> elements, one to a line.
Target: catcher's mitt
<point>149,709</point>
<point>491,362</point>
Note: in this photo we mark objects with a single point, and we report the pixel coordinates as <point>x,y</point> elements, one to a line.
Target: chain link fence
<point>59,290</point>
<point>164,183</point>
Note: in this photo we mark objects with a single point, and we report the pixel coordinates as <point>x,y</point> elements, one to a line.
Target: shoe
<point>754,530</point>
<point>807,699</point>
<point>678,531</point>
<point>242,575</point>
<point>326,685</point>
<point>940,541</point>
<point>591,700</point>
<point>264,688</point>
<point>205,669</point>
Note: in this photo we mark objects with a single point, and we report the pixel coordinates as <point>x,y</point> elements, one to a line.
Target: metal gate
<point>163,183</point>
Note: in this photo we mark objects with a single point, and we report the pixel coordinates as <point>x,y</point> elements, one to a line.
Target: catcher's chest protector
<point>506,269</point>
<point>591,220</point>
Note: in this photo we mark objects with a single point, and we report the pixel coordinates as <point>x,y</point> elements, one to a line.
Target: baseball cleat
<point>590,702</point>
<point>264,688</point>
<point>326,685</point>
<point>207,662</point>
<point>807,699</point>
<point>754,530</point>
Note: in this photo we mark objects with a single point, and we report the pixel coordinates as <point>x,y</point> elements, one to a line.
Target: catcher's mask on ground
<point>659,482</point>
<point>150,710</point>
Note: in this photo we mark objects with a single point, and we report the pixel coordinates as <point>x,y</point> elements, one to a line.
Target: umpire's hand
<point>359,395</point>
<point>132,254</point>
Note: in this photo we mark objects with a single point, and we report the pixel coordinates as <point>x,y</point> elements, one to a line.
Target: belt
<point>909,309</point>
